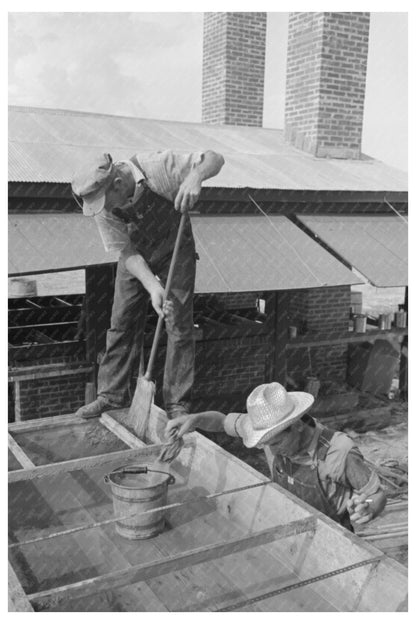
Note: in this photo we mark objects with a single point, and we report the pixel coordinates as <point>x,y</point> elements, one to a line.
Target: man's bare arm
<point>190,188</point>
<point>138,267</point>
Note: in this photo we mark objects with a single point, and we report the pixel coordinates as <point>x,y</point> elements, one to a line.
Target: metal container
<point>360,323</point>
<point>400,318</point>
<point>138,489</point>
<point>384,321</point>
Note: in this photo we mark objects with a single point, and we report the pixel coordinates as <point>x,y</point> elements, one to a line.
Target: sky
<point>150,65</point>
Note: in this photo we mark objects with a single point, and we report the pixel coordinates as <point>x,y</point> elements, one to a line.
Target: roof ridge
<point>78,113</point>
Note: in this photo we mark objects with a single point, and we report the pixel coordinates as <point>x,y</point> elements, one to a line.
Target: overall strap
<point>136,163</point>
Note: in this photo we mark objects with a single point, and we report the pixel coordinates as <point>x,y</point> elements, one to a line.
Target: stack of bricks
<point>325,82</point>
<point>233,68</point>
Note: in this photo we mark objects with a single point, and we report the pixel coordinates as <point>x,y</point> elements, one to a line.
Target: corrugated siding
<point>237,254</point>
<point>48,145</point>
<point>377,246</point>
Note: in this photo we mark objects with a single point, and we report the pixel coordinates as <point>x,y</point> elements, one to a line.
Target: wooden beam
<point>18,601</point>
<point>328,339</point>
<point>121,432</point>
<point>19,454</point>
<point>147,453</point>
<point>63,372</point>
<point>36,424</point>
<point>144,572</point>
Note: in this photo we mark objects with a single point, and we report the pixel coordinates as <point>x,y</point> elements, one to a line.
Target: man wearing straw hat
<point>136,204</point>
<point>322,467</point>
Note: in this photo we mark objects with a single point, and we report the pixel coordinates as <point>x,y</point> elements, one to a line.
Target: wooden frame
<point>265,533</point>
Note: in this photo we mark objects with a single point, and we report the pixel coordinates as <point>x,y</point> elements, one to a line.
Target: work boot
<point>95,408</point>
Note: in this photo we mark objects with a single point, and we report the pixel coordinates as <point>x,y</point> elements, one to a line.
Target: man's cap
<point>90,183</point>
<point>270,409</point>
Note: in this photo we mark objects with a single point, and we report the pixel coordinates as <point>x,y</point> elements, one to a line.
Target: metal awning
<point>237,253</point>
<point>376,245</point>
<point>253,253</point>
<point>39,243</point>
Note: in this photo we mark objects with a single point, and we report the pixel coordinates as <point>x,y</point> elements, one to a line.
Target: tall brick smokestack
<point>325,82</point>
<point>233,68</point>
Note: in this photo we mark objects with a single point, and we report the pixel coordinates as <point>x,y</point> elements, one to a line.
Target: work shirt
<point>341,473</point>
<point>164,171</point>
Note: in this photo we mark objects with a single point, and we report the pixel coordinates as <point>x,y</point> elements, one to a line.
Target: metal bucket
<point>360,323</point>
<point>138,489</point>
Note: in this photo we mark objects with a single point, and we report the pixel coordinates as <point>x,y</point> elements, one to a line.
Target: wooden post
<point>403,374</point>
<point>99,292</point>
<point>281,328</point>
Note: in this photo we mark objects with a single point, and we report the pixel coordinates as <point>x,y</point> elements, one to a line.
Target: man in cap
<point>136,205</point>
<point>322,467</point>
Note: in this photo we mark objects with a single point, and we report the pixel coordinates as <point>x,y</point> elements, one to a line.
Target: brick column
<point>233,68</point>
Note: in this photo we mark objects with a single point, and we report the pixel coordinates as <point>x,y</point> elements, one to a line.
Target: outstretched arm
<point>207,421</point>
<point>190,188</point>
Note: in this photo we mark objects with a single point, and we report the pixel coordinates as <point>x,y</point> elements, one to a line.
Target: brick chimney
<point>325,82</point>
<point>233,68</point>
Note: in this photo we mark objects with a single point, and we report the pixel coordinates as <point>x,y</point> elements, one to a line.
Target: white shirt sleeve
<point>231,424</point>
<point>167,170</point>
<point>113,231</point>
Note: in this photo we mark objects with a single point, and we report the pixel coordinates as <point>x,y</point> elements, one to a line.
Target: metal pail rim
<point>136,469</point>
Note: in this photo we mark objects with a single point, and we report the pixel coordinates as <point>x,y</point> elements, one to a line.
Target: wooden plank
<point>18,601</point>
<point>36,424</point>
<point>48,598</point>
<point>67,372</point>
<point>147,453</point>
<point>121,432</point>
<point>19,454</point>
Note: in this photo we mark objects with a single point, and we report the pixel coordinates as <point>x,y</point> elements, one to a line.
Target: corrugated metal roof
<point>237,253</point>
<point>48,145</point>
<point>377,246</point>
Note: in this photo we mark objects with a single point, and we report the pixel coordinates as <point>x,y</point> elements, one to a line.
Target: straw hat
<point>271,409</point>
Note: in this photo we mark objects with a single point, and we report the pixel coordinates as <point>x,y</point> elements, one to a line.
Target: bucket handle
<point>140,470</point>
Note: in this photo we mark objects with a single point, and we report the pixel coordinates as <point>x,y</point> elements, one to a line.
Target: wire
<point>287,242</point>
<point>396,211</point>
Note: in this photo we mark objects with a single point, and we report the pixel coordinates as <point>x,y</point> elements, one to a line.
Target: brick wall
<point>51,397</point>
<point>319,310</point>
<point>48,397</point>
<point>325,82</point>
<point>226,370</point>
<point>232,301</point>
<point>328,363</point>
<point>233,68</point>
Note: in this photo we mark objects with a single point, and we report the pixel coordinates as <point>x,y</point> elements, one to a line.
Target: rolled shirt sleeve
<point>231,424</point>
<point>167,170</point>
<point>362,478</point>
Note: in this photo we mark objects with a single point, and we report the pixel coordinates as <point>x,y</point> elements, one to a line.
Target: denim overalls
<point>152,226</point>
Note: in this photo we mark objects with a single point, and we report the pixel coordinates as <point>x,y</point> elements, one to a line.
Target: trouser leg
<point>124,338</point>
<point>180,353</point>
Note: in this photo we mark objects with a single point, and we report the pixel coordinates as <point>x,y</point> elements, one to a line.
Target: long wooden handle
<point>156,338</point>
